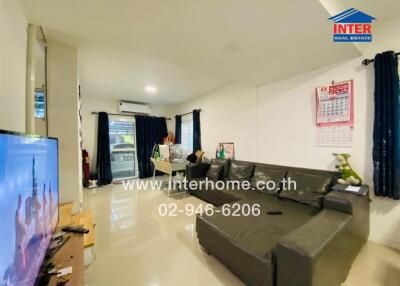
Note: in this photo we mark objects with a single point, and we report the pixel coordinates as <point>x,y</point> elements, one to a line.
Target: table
<point>168,167</point>
<point>70,254</point>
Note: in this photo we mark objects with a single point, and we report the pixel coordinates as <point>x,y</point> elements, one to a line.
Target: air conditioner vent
<point>132,107</point>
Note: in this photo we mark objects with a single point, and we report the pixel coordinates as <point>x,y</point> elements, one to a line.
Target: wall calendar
<point>335,114</point>
<point>335,104</point>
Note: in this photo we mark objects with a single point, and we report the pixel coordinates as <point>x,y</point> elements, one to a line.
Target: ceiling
<point>120,74</point>
<point>112,72</point>
<point>188,48</point>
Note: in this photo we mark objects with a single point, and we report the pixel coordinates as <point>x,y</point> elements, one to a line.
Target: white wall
<point>386,37</point>
<point>89,121</point>
<point>286,114</point>
<point>63,117</point>
<point>13,43</point>
<point>276,123</point>
<point>40,63</point>
<point>228,115</point>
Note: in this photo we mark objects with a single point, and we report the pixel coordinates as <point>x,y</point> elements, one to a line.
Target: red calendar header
<point>335,104</point>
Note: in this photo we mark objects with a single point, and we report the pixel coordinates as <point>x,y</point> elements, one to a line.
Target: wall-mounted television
<point>28,205</point>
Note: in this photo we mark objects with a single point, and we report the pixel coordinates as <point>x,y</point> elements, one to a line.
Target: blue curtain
<point>103,151</point>
<point>149,131</point>
<point>386,150</point>
<point>178,129</point>
<point>196,130</point>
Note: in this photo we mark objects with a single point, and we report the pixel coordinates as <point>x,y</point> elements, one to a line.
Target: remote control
<point>76,229</point>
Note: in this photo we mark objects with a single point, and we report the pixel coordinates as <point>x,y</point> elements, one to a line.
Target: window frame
<point>187,143</point>
<point>43,91</point>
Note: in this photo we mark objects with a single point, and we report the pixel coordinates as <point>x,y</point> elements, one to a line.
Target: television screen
<point>28,205</point>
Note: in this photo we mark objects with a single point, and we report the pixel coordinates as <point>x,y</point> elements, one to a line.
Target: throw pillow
<point>214,172</point>
<point>267,180</point>
<point>226,163</point>
<point>308,189</point>
<point>240,171</point>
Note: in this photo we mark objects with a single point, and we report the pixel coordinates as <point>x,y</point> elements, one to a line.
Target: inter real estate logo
<point>352,26</point>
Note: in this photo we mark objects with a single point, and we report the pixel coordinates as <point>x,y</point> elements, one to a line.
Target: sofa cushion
<point>195,171</point>
<point>226,163</point>
<point>265,175</point>
<point>245,244</point>
<point>240,171</point>
<point>309,189</point>
<point>215,197</point>
<point>215,171</point>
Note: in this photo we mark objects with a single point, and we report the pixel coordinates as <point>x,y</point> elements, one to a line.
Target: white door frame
<point>127,119</point>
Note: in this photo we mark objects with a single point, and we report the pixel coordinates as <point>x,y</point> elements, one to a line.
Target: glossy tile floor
<point>137,246</point>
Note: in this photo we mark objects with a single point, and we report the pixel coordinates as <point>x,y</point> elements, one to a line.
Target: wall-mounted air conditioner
<point>132,107</point>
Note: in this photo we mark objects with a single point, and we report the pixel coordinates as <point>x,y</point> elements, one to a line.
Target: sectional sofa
<point>309,236</point>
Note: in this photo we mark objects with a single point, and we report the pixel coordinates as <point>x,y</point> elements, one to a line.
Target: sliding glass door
<point>123,147</point>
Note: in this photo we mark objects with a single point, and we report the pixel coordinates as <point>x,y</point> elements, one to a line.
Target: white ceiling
<point>113,72</point>
<point>122,74</point>
<point>187,48</point>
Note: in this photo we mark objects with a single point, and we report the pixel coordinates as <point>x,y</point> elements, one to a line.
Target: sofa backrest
<point>240,171</point>
<point>288,169</point>
<point>335,175</point>
<point>311,193</point>
<point>226,163</point>
<point>309,189</point>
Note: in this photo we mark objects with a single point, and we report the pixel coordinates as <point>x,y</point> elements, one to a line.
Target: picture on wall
<point>225,151</point>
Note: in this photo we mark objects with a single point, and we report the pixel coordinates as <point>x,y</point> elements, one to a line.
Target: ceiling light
<point>151,89</point>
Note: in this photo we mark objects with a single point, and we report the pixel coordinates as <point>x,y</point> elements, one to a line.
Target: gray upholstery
<point>259,234</point>
<point>240,171</point>
<point>216,197</point>
<point>317,253</point>
<point>215,171</point>
<point>245,244</point>
<point>304,246</point>
<point>226,163</point>
<point>310,188</point>
<point>197,171</point>
<point>265,174</point>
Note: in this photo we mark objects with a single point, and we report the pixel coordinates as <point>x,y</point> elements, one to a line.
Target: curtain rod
<point>187,113</point>
<point>368,61</point>
<point>124,114</point>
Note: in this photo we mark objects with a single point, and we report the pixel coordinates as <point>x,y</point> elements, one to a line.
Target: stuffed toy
<point>349,176</point>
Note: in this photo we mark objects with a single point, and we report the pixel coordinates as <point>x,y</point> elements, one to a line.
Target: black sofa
<point>314,240</point>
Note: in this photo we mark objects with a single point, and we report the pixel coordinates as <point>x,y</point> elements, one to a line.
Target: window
<point>40,103</point>
<point>123,149</point>
<point>187,132</point>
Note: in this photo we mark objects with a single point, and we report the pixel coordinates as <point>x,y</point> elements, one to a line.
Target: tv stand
<point>70,254</point>
<point>61,242</point>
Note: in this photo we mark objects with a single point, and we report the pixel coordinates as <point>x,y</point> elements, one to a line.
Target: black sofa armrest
<point>318,253</point>
<point>196,171</point>
<point>355,205</point>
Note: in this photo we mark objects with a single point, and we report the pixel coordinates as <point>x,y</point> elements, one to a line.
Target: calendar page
<point>335,136</point>
<point>335,104</point>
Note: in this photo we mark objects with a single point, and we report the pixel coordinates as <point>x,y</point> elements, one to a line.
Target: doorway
<point>122,131</point>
